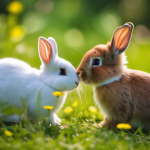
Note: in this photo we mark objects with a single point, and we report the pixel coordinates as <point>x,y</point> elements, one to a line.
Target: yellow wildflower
<point>15,7</point>
<point>124,126</point>
<point>68,109</point>
<point>17,33</point>
<point>8,133</point>
<point>92,109</point>
<point>58,93</point>
<point>48,107</point>
<point>75,104</point>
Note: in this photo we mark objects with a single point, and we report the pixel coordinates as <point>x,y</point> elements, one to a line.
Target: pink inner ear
<point>45,50</point>
<point>122,38</point>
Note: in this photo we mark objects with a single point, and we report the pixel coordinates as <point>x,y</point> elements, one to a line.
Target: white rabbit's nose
<point>76,83</point>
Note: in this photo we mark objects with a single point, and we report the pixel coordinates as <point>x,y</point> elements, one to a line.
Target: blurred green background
<point>76,25</point>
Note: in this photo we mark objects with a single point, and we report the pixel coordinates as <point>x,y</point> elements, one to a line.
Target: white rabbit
<point>18,79</point>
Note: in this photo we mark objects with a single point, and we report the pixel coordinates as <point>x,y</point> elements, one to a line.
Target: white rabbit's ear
<point>54,45</point>
<point>121,38</point>
<point>45,50</point>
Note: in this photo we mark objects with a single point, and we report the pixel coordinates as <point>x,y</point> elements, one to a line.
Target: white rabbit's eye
<point>62,71</point>
<point>96,62</point>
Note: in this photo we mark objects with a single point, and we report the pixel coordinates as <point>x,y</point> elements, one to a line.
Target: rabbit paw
<point>108,124</point>
<point>102,124</point>
<point>57,119</point>
<point>105,122</point>
<point>54,120</point>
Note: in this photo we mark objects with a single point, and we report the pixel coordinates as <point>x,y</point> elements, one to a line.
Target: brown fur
<point>123,101</point>
<point>127,99</point>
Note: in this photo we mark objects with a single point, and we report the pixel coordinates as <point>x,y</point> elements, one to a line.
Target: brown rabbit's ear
<point>44,50</point>
<point>121,38</point>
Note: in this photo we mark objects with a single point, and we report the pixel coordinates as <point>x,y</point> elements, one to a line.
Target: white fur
<point>124,59</point>
<point>117,78</point>
<point>18,79</point>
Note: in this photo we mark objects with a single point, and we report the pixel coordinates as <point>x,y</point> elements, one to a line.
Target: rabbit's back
<point>15,77</point>
<point>140,91</point>
<point>14,66</point>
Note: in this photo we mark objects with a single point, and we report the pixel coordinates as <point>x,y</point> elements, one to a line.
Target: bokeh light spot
<point>44,6</point>
<point>108,22</point>
<point>17,34</point>
<point>74,38</point>
<point>33,22</point>
<point>92,109</point>
<point>15,7</point>
<point>134,10</point>
<point>68,109</point>
<point>141,34</point>
<point>20,48</point>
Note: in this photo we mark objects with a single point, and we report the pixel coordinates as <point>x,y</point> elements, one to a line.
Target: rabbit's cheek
<point>101,74</point>
<point>62,87</point>
<point>71,85</point>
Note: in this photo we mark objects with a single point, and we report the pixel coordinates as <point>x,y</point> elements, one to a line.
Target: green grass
<point>78,135</point>
<point>78,131</point>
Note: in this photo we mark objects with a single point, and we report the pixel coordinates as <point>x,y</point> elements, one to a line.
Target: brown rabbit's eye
<point>96,62</point>
<point>62,71</point>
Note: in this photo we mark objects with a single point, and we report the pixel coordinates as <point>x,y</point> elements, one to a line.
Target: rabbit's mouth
<point>84,78</point>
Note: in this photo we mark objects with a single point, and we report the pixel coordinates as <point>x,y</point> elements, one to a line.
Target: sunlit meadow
<point>77,26</point>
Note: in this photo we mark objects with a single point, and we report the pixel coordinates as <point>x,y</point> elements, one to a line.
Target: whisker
<point>89,88</point>
<point>83,91</point>
<point>80,90</point>
<point>78,51</point>
<point>89,79</point>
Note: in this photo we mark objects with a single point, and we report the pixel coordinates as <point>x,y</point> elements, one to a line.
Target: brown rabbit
<point>123,95</point>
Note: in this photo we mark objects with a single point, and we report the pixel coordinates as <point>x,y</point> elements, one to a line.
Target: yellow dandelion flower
<point>58,93</point>
<point>8,133</point>
<point>17,33</point>
<point>48,107</point>
<point>92,109</point>
<point>15,7</point>
<point>124,126</point>
<point>75,104</point>
<point>68,109</point>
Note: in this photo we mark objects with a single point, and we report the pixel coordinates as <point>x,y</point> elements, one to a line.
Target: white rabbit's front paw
<point>57,119</point>
<point>54,120</point>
